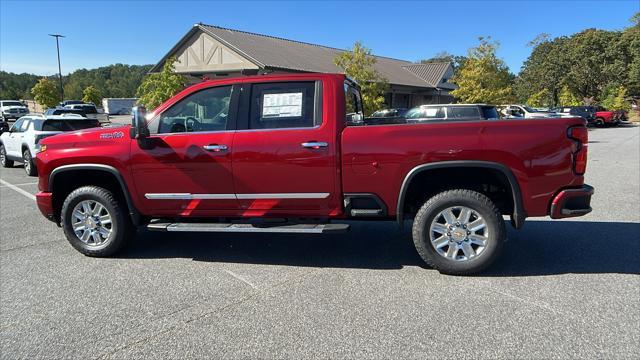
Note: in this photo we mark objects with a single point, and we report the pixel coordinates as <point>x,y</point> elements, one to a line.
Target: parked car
<point>604,117</point>
<point>444,112</point>
<point>62,111</point>
<point>586,112</point>
<point>89,111</point>
<point>277,153</point>
<point>522,112</point>
<point>12,109</point>
<point>22,141</point>
<point>387,116</point>
<point>70,102</point>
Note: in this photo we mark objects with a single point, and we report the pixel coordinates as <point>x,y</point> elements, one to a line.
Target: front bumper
<point>44,200</point>
<point>571,202</point>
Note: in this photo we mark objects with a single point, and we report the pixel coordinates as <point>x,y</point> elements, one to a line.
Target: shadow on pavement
<point>540,248</point>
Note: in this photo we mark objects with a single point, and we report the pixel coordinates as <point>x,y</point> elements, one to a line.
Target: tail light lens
<point>580,135</point>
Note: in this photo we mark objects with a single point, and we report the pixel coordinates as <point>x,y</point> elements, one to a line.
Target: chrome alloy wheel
<point>91,222</point>
<point>459,233</point>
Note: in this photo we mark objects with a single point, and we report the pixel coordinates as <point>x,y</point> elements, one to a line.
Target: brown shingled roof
<point>278,53</point>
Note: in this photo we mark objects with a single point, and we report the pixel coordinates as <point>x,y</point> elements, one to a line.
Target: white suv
<point>21,142</point>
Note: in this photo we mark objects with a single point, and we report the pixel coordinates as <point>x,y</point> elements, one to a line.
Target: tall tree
<point>358,65</point>
<point>159,87</point>
<point>617,100</point>
<point>484,78</point>
<point>46,93</point>
<point>567,98</point>
<point>91,94</point>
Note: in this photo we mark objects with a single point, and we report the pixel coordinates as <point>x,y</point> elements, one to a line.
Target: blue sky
<point>141,32</point>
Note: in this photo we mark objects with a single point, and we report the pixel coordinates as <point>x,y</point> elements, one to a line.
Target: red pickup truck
<point>292,154</point>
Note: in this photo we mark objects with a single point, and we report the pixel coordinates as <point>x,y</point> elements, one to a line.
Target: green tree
<point>358,64</point>
<point>540,99</point>
<point>91,94</point>
<point>617,100</point>
<point>484,78</point>
<point>159,87</point>
<point>45,93</point>
<point>567,98</point>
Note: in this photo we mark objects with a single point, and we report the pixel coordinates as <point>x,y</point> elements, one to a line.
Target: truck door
<point>184,166</point>
<point>12,146</point>
<point>285,155</point>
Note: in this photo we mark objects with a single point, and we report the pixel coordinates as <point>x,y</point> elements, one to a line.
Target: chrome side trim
<point>283,196</point>
<point>188,196</point>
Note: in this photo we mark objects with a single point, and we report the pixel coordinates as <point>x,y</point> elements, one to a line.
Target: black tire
<point>122,230</point>
<point>475,201</point>
<point>599,122</point>
<point>6,163</point>
<point>29,164</point>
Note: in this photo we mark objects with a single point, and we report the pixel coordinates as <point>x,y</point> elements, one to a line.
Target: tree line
<point>116,80</point>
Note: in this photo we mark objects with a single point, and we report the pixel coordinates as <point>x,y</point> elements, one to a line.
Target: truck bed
<point>377,158</point>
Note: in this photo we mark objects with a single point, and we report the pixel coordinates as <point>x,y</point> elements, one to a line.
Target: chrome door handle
<point>215,147</point>
<point>315,144</point>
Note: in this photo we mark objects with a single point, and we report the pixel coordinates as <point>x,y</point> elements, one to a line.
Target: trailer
<point>118,106</point>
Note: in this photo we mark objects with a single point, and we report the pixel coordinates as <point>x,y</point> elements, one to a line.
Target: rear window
<point>460,112</point>
<point>69,125</point>
<point>489,112</point>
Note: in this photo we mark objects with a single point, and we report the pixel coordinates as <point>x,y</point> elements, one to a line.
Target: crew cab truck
<point>291,153</point>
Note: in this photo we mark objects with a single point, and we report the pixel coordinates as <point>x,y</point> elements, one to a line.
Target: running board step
<point>250,228</point>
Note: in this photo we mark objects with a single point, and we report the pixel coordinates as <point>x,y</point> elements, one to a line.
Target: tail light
<point>580,135</point>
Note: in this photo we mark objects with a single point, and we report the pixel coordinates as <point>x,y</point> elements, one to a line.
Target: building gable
<point>200,52</point>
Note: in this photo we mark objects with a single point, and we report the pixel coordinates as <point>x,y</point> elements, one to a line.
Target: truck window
<point>354,113</point>
<point>205,110</point>
<point>284,105</point>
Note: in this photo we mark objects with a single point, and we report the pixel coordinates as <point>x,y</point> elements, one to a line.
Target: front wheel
<point>6,163</point>
<point>29,164</point>
<point>459,232</point>
<point>95,222</point>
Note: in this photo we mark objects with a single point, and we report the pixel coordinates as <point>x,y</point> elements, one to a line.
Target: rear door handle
<point>315,144</point>
<point>215,147</point>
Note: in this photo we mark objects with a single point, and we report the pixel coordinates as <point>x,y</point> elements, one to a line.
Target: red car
<point>604,117</point>
<point>292,154</point>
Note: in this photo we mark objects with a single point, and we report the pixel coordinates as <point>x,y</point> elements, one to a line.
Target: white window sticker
<point>282,105</point>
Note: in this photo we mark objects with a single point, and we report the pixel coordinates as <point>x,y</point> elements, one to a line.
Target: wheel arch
<point>518,214</point>
<point>60,173</point>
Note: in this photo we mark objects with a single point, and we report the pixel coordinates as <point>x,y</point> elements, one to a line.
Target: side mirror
<point>139,129</point>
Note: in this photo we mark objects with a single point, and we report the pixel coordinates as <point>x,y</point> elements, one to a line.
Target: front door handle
<point>215,147</point>
<point>315,144</point>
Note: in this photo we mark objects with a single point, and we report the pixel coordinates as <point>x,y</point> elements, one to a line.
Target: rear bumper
<point>44,200</point>
<point>571,202</point>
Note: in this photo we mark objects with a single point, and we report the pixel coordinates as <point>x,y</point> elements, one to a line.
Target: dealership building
<point>213,52</point>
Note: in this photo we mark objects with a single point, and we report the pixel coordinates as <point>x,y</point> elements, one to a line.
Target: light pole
<point>57,36</point>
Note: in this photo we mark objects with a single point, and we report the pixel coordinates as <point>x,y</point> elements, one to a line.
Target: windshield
<point>11,103</point>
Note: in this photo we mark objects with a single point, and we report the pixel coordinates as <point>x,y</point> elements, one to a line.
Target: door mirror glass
<point>139,129</point>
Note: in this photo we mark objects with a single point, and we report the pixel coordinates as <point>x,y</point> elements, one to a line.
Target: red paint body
<point>607,116</point>
<point>358,159</point>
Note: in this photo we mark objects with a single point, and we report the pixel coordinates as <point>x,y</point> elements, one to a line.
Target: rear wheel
<point>29,164</point>
<point>6,163</point>
<point>459,232</point>
<point>599,122</point>
<point>95,222</point>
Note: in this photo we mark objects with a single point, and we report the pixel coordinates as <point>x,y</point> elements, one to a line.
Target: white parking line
<point>21,184</point>
<point>240,278</point>
<point>18,190</point>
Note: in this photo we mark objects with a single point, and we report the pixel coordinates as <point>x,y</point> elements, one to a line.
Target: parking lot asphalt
<point>562,289</point>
